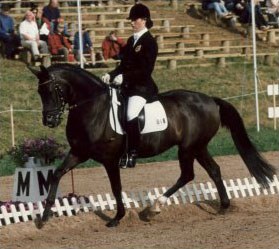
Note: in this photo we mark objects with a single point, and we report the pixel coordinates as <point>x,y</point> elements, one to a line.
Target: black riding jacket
<point>137,66</point>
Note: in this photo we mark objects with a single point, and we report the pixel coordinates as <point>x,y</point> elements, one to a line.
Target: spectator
<point>8,37</point>
<point>87,46</point>
<point>273,6</point>
<point>243,10</point>
<point>52,17</point>
<point>59,44</point>
<point>43,30</point>
<point>112,46</point>
<point>218,6</point>
<point>273,12</point>
<point>229,4</point>
<point>29,34</point>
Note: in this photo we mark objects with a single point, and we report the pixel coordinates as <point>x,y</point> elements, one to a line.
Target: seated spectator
<point>10,40</point>
<point>29,34</point>
<point>230,5</point>
<point>273,12</point>
<point>87,46</point>
<point>43,30</point>
<point>218,6</point>
<point>273,7</point>
<point>52,17</point>
<point>59,43</point>
<point>243,10</point>
<point>112,46</point>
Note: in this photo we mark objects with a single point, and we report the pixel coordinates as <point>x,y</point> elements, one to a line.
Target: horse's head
<point>52,96</point>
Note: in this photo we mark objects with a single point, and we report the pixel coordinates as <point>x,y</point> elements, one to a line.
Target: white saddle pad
<point>155,116</point>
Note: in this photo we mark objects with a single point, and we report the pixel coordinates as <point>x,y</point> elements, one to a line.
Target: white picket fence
<point>238,188</point>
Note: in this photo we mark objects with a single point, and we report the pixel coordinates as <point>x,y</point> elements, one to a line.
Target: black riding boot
<point>133,137</point>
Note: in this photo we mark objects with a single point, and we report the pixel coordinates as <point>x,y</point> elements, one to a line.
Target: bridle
<point>60,100</point>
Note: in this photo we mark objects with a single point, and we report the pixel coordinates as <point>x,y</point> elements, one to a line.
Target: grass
<point>19,88</point>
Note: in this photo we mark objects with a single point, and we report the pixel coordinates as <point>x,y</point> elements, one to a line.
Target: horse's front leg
<point>113,172</point>
<point>69,163</point>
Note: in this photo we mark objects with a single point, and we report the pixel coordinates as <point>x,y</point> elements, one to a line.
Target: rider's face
<point>138,24</point>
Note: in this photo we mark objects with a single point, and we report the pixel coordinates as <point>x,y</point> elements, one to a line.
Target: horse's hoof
<point>152,212</point>
<point>155,209</point>
<point>113,223</point>
<point>225,204</point>
<point>148,214</point>
<point>39,223</point>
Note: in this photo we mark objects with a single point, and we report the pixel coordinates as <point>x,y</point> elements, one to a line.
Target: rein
<point>59,93</point>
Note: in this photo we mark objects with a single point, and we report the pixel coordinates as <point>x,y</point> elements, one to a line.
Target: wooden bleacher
<point>180,43</point>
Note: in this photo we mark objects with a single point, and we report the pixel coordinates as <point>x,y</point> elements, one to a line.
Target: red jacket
<point>112,48</point>
<point>57,41</point>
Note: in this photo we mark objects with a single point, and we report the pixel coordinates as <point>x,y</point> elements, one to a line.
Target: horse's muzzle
<point>51,120</point>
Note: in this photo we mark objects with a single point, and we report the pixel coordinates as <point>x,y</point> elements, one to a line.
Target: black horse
<point>193,118</point>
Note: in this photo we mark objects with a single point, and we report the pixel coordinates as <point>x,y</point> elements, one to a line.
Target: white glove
<point>118,79</point>
<point>106,78</point>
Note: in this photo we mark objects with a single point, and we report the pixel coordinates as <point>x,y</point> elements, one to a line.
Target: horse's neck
<point>92,114</point>
<point>83,91</point>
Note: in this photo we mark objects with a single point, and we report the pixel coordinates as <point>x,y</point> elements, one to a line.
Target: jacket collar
<point>139,34</point>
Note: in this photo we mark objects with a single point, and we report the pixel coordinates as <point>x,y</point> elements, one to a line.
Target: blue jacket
<point>6,25</point>
<point>87,43</point>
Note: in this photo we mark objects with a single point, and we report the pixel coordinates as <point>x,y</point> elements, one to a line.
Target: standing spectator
<point>52,17</point>
<point>59,43</point>
<point>7,34</point>
<point>29,34</point>
<point>218,6</point>
<point>87,46</point>
<point>112,46</point>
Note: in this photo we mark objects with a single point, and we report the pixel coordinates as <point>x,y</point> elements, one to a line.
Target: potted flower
<point>46,150</point>
<point>31,181</point>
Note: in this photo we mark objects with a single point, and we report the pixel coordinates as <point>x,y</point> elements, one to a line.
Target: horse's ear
<point>34,71</point>
<point>43,70</point>
<point>43,73</point>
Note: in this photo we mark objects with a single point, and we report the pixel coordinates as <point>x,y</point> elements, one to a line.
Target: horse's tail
<point>256,164</point>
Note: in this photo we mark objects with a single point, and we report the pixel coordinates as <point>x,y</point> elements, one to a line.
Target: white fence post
<point>273,112</point>
<point>194,192</point>
<point>12,125</point>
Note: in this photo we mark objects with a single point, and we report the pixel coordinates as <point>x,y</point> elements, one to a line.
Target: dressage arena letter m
<point>32,184</point>
<point>23,184</point>
<point>44,183</point>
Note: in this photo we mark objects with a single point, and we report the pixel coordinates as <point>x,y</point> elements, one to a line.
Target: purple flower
<point>44,148</point>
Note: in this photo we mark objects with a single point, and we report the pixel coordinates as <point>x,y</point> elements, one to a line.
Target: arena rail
<point>238,188</point>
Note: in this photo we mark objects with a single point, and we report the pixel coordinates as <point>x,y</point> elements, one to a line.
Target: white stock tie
<point>135,39</point>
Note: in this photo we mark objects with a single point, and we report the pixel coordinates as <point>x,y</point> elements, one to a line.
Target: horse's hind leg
<point>186,163</point>
<point>213,170</point>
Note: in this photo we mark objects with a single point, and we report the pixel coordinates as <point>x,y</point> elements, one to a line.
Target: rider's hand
<point>118,79</point>
<point>106,78</point>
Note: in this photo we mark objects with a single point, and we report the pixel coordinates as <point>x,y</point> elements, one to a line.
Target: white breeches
<point>135,105</point>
